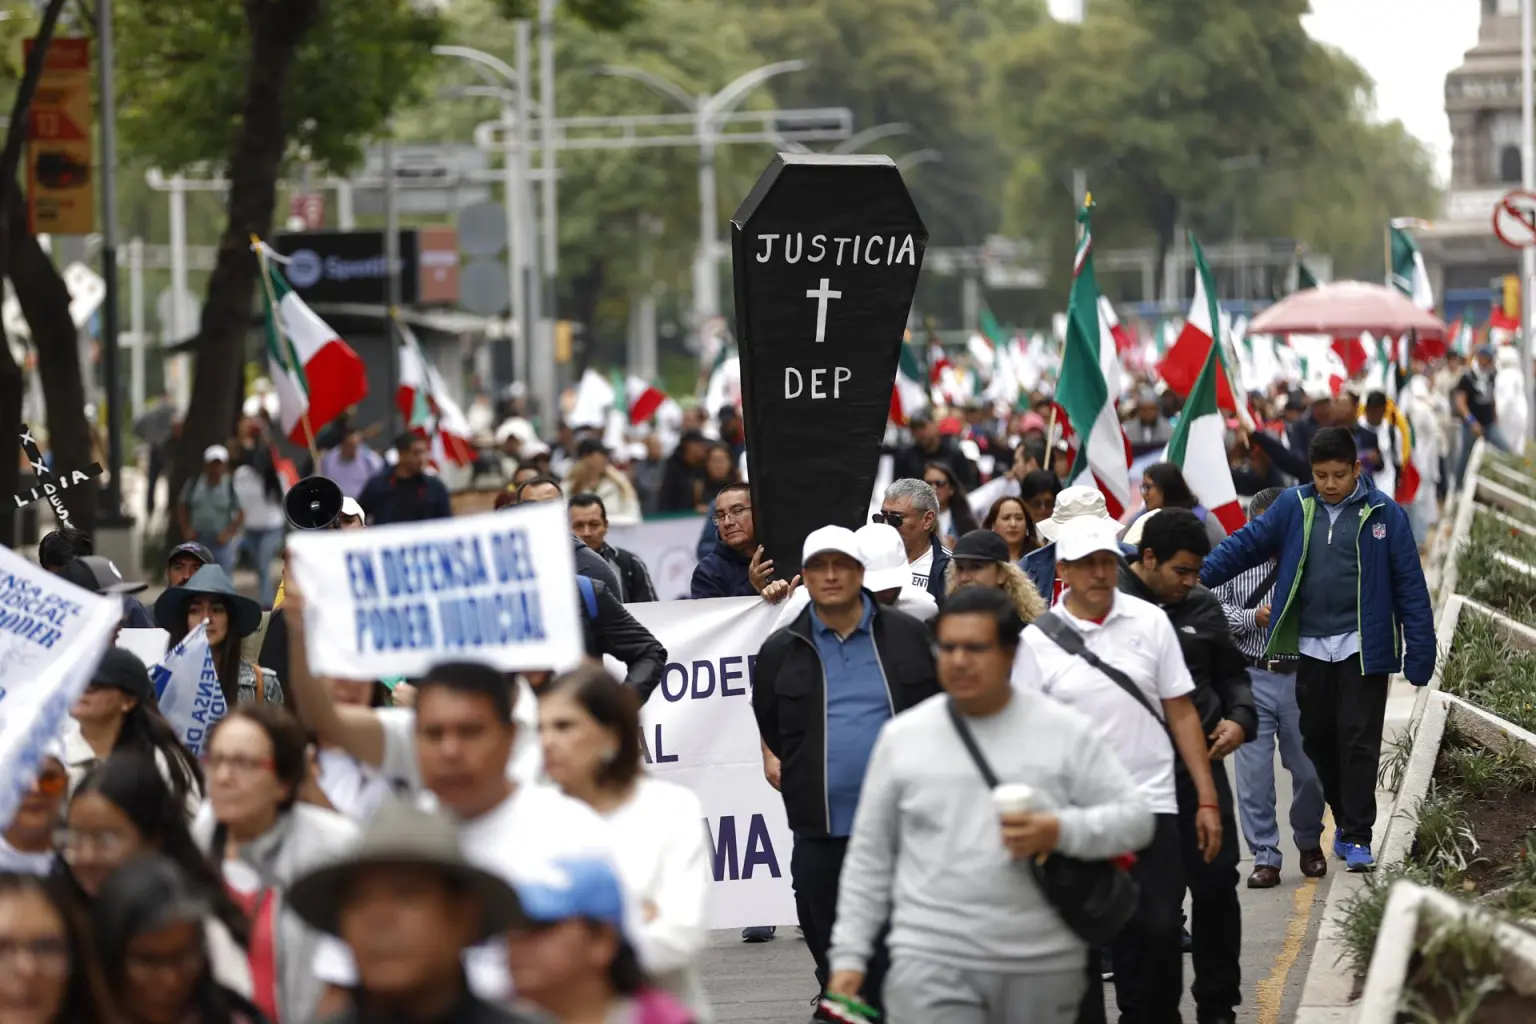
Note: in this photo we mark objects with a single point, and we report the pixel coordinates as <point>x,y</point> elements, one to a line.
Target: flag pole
<point>283,349</point>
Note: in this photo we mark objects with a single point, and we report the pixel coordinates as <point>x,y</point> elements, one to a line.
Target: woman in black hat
<point>118,711</point>
<point>231,618</point>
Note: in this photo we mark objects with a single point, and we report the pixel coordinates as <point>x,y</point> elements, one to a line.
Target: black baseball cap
<point>981,546</point>
<point>121,669</point>
<point>98,575</point>
<point>193,548</point>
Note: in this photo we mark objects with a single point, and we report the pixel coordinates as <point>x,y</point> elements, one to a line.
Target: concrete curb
<point>1412,913</point>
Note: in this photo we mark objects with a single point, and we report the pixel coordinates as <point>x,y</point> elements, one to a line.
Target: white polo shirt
<point>1136,638</point>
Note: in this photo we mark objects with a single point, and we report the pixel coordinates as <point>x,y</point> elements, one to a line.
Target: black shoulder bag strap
<point>1262,590</point>
<point>1071,641</point>
<point>987,775</point>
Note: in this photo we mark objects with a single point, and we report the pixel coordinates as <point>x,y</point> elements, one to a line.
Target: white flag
<point>187,686</point>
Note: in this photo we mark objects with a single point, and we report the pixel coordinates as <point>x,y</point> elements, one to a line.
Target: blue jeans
<point>262,547</point>
<point>223,554</point>
<point>1274,697</point>
<point>1491,433</point>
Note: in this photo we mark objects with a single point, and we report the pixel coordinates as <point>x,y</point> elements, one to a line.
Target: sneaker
<point>758,933</point>
<point>1357,857</point>
<point>1339,848</point>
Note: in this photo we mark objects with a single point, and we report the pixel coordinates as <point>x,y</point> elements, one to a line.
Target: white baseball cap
<point>1085,535</point>
<point>831,538</point>
<point>350,507</point>
<point>1074,503</point>
<point>215,453</point>
<point>885,557</point>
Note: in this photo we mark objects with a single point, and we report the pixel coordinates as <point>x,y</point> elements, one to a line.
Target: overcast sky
<point>1407,46</point>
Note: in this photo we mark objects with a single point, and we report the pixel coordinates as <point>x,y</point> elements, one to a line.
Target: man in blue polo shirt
<point>825,685</point>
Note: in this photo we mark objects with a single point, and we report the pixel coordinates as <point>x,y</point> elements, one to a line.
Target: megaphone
<point>313,503</point>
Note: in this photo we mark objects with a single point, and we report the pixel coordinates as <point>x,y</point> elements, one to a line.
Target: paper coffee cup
<point>1013,798</point>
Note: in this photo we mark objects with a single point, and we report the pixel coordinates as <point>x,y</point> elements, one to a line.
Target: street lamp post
<point>508,85</point>
<point>707,110</point>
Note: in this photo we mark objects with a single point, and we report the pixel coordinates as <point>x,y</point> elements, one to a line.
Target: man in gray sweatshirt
<point>972,938</point>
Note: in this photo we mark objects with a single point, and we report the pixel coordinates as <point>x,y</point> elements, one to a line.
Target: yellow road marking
<point>1270,994</point>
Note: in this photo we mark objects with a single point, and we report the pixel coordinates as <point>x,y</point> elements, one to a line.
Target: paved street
<point>773,983</point>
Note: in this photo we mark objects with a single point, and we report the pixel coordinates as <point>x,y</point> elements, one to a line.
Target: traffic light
<point>1512,296</point>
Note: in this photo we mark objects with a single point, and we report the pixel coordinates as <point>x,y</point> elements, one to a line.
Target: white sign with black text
<point>699,731</point>
<point>395,600</point>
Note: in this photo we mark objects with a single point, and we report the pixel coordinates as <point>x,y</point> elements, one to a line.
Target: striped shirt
<point>1237,601</point>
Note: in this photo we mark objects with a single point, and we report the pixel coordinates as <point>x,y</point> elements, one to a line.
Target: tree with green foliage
<point>22,259</point>
<point>242,88</point>
<point>1159,102</point>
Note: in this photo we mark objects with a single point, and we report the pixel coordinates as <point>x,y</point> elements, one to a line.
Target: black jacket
<point>390,499</point>
<point>633,577</point>
<point>617,632</point>
<point>789,700</point>
<point>1222,688</point>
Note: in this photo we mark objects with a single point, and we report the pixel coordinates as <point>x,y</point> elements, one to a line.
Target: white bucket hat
<point>1073,503</point>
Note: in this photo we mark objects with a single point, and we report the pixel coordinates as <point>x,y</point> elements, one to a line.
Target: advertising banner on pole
<point>61,189</point>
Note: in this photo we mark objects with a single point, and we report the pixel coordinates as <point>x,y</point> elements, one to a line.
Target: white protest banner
<point>668,545</point>
<point>187,688</point>
<point>498,588</point>
<point>148,645</point>
<point>52,636</point>
<point>699,731</point>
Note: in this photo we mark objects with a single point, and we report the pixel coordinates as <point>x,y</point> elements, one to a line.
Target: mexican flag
<point>642,398</point>
<point>1199,447</point>
<point>428,409</point>
<point>1086,405</point>
<point>1122,338</point>
<point>315,374</point>
<point>910,392</point>
<point>1184,363</point>
<point>1409,275</point>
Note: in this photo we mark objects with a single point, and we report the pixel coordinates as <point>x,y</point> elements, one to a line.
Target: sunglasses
<point>888,518</point>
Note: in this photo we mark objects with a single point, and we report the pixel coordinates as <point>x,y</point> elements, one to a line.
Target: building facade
<point>1466,261</point>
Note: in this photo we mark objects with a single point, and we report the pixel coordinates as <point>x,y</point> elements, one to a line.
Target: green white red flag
<point>1086,406</point>
<point>315,375</point>
<point>1199,448</point>
<point>909,394</point>
<point>427,407</point>
<point>1206,324</point>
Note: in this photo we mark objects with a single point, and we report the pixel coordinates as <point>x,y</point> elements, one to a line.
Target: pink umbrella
<point>1347,309</point>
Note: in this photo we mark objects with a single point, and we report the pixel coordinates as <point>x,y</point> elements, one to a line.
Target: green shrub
<point>1482,576</point>
<point>1486,669</point>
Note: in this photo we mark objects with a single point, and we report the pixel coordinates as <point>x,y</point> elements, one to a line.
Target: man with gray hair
<point>912,507</point>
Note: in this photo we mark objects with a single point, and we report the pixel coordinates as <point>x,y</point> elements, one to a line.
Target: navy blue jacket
<point>1396,626</point>
<point>721,573</point>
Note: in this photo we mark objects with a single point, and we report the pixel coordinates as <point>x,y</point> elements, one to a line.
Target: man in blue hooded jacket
<point>1355,610</point>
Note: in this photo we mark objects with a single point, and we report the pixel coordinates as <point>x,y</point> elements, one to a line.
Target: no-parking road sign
<point>1514,219</point>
